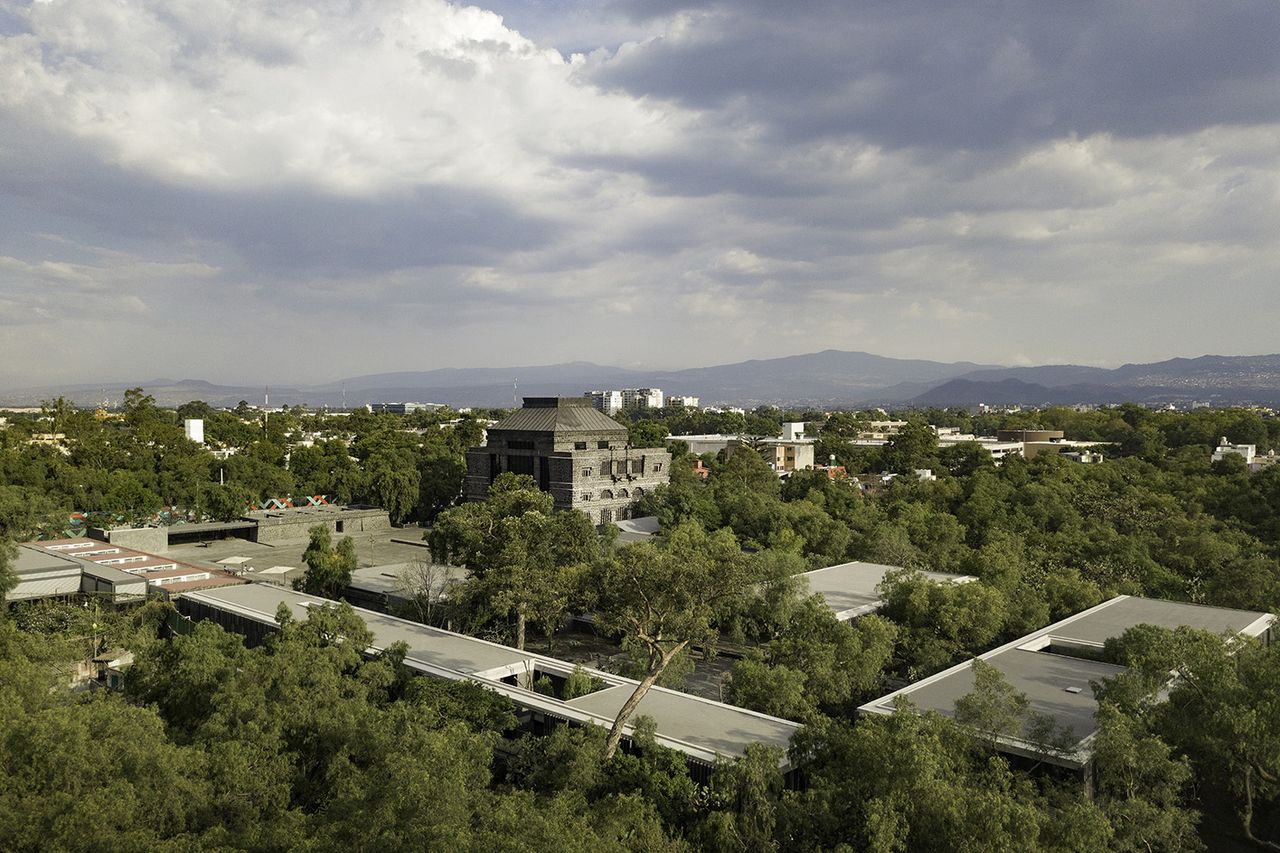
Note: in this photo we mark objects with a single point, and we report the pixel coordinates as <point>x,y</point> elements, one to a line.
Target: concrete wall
<point>153,540</point>
<point>291,526</point>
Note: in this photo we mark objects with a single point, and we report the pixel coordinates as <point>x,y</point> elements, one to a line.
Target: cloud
<point>396,184</point>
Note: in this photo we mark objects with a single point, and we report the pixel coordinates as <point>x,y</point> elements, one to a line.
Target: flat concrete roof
<point>850,588</point>
<point>385,580</point>
<point>698,727</point>
<point>1048,680</point>
<point>1095,627</point>
<point>1058,685</point>
<point>693,719</point>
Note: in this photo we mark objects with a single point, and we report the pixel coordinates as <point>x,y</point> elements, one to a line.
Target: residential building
<point>403,408</point>
<point>679,401</point>
<point>779,454</point>
<point>1226,448</point>
<point>609,402</point>
<point>612,402</point>
<point>642,398</point>
<point>579,455</point>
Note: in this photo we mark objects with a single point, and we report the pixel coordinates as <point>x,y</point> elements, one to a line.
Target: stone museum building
<point>578,454</point>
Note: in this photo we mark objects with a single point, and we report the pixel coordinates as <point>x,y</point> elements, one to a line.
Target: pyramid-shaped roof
<point>557,415</point>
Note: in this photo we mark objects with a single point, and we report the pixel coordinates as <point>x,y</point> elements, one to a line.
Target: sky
<point>242,191</point>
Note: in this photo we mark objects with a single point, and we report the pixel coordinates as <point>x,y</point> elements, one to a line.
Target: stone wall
<point>288,526</point>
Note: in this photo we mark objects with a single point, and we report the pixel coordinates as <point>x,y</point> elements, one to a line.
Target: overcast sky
<point>245,191</point>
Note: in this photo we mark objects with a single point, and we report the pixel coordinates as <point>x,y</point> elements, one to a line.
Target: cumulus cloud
<point>417,183</point>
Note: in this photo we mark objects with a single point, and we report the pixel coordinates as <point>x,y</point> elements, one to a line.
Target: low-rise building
<point>67,567</point>
<point>1226,448</point>
<point>853,589</point>
<point>403,408</point>
<point>703,730</point>
<point>1056,666</point>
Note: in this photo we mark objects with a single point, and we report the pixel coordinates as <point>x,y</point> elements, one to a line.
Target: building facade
<point>577,454</point>
<point>609,402</point>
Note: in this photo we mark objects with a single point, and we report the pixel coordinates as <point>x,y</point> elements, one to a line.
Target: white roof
<point>700,728</point>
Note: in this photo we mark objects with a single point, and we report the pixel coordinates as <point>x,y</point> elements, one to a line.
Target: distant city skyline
<point>229,191</point>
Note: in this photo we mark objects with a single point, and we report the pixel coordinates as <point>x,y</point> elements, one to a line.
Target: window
<point>637,466</point>
<point>586,496</point>
<point>586,472</point>
<point>657,466</point>
<point>579,445</point>
<point>602,445</point>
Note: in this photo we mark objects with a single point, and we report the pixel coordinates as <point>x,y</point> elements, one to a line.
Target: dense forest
<point>305,743</point>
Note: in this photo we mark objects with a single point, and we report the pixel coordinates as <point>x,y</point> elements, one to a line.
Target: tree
<point>1221,710</point>
<point>914,446</point>
<point>993,709</point>
<point>647,434</point>
<point>814,663</point>
<point>328,568</point>
<point>8,580</point>
<point>394,482</point>
<point>423,584</point>
<point>523,558</point>
<point>667,599</point>
<point>226,502</point>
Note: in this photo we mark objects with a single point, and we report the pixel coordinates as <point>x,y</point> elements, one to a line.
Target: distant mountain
<point>830,378</point>
<point>1011,391</point>
<point>817,378</point>
<point>1216,379</point>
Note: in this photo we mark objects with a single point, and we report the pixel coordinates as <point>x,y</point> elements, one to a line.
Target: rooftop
<point>385,579</point>
<point>850,588</point>
<point>1058,685</point>
<point>700,728</point>
<point>558,415</point>
<point>33,559</point>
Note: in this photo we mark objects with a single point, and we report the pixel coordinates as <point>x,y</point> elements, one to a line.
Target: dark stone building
<point>578,454</point>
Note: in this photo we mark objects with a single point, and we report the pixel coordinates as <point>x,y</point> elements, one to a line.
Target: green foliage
<point>667,599</point>
<point>647,434</point>
<point>525,562</point>
<point>814,664</point>
<point>329,568</point>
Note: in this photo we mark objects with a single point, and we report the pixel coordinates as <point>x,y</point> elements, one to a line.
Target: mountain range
<point>832,378</point>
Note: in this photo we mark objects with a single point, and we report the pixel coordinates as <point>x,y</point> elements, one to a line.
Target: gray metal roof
<point>558,419</point>
<point>37,560</point>
<point>850,588</point>
<point>698,727</point>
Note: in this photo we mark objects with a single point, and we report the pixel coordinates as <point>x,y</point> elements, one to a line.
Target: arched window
<point>638,492</point>
<point>622,493</point>
<point>606,495</point>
